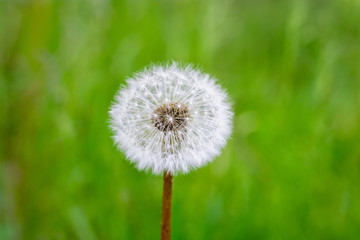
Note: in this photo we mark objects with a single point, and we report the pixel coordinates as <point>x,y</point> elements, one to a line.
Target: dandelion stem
<point>166,207</point>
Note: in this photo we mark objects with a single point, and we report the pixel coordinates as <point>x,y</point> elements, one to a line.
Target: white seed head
<point>171,118</point>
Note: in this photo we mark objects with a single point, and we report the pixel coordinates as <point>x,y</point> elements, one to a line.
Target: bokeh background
<point>290,171</point>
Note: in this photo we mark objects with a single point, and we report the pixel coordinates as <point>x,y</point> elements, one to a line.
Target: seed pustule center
<point>170,117</point>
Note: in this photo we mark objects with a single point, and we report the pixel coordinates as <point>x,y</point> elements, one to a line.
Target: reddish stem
<point>166,207</point>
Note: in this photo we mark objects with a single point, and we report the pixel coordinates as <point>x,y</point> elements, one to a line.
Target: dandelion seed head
<point>171,118</point>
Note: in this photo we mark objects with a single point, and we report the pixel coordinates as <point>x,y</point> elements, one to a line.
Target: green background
<point>290,171</point>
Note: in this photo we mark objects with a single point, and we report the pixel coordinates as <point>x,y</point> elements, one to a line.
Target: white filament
<point>202,137</point>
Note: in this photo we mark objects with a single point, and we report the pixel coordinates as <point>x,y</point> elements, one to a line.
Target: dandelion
<point>171,119</point>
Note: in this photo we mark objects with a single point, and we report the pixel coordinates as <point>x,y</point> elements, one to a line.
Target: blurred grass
<point>290,171</point>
